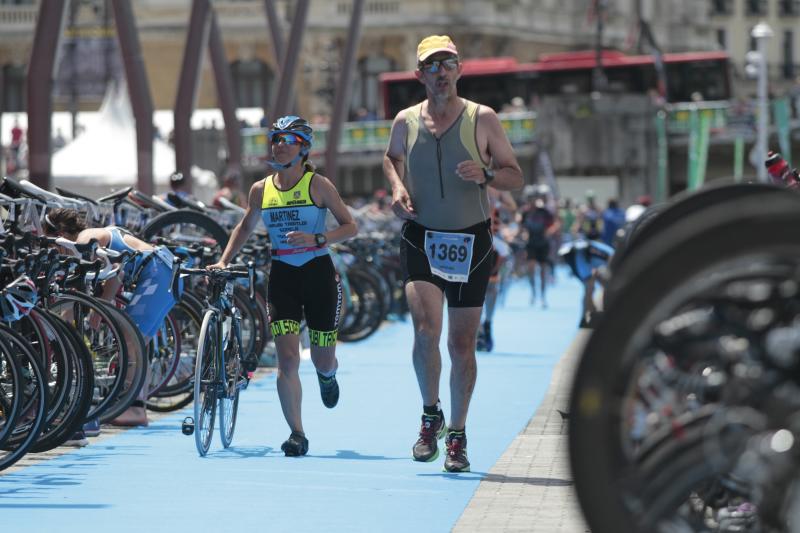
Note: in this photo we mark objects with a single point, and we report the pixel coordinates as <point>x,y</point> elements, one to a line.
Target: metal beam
<point>275,30</point>
<point>283,98</point>
<point>196,41</point>
<point>138,90</point>
<point>225,96</point>
<point>342,99</point>
<point>39,89</point>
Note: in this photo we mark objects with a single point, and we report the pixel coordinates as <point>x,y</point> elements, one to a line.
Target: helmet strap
<point>279,166</point>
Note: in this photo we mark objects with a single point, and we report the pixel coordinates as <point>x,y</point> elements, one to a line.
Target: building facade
<point>523,29</point>
<point>732,22</point>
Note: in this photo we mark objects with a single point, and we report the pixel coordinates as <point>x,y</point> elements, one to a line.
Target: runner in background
<point>541,226</point>
<point>501,252</point>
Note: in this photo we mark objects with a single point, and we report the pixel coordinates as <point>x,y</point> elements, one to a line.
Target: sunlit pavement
<point>358,475</point>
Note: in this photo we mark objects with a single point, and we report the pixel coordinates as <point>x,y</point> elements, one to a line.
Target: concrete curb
<point>530,486</point>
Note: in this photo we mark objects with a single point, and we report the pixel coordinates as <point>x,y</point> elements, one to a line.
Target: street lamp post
<point>762,33</point>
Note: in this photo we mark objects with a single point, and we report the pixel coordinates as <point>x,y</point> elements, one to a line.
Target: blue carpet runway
<point>358,475</point>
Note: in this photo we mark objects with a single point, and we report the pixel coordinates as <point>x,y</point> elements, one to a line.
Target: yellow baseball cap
<point>435,43</point>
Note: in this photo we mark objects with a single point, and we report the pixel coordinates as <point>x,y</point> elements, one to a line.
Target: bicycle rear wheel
<point>229,399</point>
<point>205,383</point>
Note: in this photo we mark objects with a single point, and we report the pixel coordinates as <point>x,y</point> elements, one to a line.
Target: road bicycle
<point>220,374</point>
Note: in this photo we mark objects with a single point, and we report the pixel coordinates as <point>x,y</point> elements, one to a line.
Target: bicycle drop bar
<point>233,271</point>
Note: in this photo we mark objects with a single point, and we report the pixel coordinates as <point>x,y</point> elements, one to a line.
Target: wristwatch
<point>488,175</point>
<point>320,239</point>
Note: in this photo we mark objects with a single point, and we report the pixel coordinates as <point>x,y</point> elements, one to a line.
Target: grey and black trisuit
<point>446,205</point>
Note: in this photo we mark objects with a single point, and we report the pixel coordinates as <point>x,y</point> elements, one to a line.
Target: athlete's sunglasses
<point>286,138</point>
<point>432,67</point>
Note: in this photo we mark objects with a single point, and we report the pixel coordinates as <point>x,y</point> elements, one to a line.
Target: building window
<point>755,7</point>
<point>788,54</point>
<point>721,7</point>
<point>252,81</point>
<point>789,7</point>
<point>722,39</point>
<point>365,100</point>
<point>12,83</point>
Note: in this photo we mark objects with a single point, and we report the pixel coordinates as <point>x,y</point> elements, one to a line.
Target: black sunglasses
<point>432,67</point>
<point>286,138</point>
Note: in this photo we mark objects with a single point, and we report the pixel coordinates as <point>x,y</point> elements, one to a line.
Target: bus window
<point>710,79</point>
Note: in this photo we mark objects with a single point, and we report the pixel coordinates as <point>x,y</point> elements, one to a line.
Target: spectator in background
<point>516,105</point>
<point>231,190</point>
<point>794,95</point>
<point>179,185</point>
<point>16,135</point>
<point>566,212</point>
<point>613,219</point>
<point>363,114</point>
<point>635,211</point>
<point>58,141</point>
<point>588,219</point>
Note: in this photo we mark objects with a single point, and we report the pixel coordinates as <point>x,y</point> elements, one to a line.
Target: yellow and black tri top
<point>292,210</point>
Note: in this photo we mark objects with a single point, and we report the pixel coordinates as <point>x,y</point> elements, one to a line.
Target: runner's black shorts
<point>416,267</point>
<point>539,252</point>
<point>313,289</point>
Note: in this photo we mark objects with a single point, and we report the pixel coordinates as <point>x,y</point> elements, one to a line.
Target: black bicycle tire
<point>137,360</point>
<point>10,390</point>
<point>661,218</point>
<point>174,359</point>
<point>17,448</point>
<point>193,309</point>
<point>226,434</point>
<point>84,387</point>
<point>593,428</point>
<point>186,216</point>
<point>93,304</point>
<point>366,323</point>
<point>205,352</point>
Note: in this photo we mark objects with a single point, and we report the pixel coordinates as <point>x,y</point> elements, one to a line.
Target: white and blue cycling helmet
<point>296,126</point>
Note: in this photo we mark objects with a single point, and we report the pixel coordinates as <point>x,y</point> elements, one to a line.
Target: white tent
<point>103,157</point>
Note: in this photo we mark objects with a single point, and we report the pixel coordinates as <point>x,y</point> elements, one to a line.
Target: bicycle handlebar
<point>232,272</point>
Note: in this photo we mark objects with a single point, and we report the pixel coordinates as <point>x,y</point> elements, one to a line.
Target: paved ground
<point>530,487</point>
<point>358,475</point>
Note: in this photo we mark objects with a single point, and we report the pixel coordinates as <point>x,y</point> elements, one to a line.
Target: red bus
<point>495,81</point>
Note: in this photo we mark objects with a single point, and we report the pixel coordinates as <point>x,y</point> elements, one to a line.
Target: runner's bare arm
<point>245,227</point>
<point>394,168</point>
<point>490,133</point>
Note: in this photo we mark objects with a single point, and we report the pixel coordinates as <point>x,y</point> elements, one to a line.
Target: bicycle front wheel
<point>205,383</point>
<point>234,380</point>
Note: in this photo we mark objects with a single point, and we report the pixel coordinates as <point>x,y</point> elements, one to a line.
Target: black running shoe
<point>329,390</point>
<point>250,362</point>
<point>456,460</point>
<point>295,445</point>
<point>487,335</point>
<point>433,428</point>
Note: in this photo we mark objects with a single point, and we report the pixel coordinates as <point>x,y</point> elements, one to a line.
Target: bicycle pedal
<point>187,427</point>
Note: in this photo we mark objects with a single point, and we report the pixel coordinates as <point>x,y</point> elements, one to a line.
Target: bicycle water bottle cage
<point>187,427</point>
